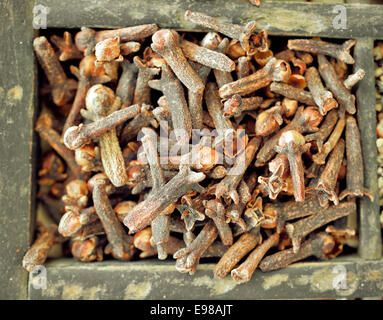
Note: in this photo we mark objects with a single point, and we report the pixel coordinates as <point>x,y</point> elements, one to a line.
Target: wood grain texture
<point>150,279</point>
<point>17,110</point>
<point>293,18</point>
<point>370,240</point>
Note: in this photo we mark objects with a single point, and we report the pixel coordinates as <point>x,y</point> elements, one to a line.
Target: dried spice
<point>239,155</point>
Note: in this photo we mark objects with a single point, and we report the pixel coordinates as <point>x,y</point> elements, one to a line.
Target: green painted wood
<point>370,240</point>
<point>279,18</point>
<point>17,109</point>
<point>150,279</point>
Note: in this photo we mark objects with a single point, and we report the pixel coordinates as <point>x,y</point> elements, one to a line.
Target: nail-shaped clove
<point>339,51</point>
<point>292,144</point>
<point>62,87</point>
<point>87,38</point>
<point>236,105</point>
<point>300,229</point>
<point>246,269</point>
<point>352,79</point>
<point>216,211</point>
<point>293,93</point>
<point>121,244</point>
<point>87,74</point>
<point>305,120</point>
<point>188,258</point>
<point>101,102</point>
<point>166,43</point>
<point>321,156</point>
<point>66,47</point>
<point>161,224</point>
<point>322,97</point>
<point>236,252</point>
<point>291,210</point>
<point>211,40</point>
<point>324,131</point>
<point>146,211</point>
<point>334,83</point>
<point>355,172</point>
<point>244,34</point>
<point>274,70</point>
<point>320,245</point>
<point>75,137</point>
<point>326,184</point>
<point>227,187</point>
<point>175,96</point>
<point>38,252</point>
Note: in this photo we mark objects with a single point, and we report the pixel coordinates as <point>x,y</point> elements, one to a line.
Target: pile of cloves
<point>198,145</point>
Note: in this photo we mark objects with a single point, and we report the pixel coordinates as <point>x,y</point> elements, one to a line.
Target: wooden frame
<point>151,279</point>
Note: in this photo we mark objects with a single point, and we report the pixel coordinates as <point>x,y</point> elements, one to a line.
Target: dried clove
<point>62,87</point>
<point>292,144</point>
<point>66,47</point>
<point>244,34</point>
<point>326,184</point>
<point>324,131</point>
<point>75,137</point>
<point>87,74</point>
<point>216,211</point>
<point>321,156</point>
<point>87,38</point>
<point>38,252</point>
<point>188,258</point>
<point>227,186</point>
<point>320,245</point>
<point>322,97</point>
<point>274,70</point>
<point>292,93</point>
<point>341,52</point>
<point>236,105</point>
<point>174,93</point>
<point>120,244</point>
<point>247,242</point>
<point>146,211</point>
<point>334,83</point>
<point>101,102</point>
<point>245,270</point>
<point>355,175</point>
<point>161,224</point>
<point>166,43</point>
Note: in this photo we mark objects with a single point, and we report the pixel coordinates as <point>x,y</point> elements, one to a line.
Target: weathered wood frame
<point>151,279</point>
